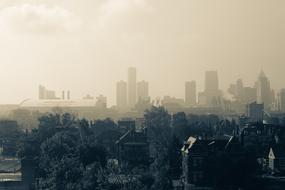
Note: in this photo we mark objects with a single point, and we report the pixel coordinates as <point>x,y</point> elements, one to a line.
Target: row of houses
<point>203,158</point>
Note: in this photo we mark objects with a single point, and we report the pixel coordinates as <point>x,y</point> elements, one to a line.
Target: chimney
<point>68,95</point>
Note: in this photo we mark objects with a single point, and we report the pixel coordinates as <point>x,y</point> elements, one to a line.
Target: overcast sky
<point>87,45</point>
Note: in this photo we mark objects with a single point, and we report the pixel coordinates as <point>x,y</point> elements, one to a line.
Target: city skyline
<point>72,45</point>
<point>142,95</point>
<point>134,94</point>
<point>57,92</point>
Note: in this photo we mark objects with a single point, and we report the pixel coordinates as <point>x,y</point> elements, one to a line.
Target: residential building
<point>133,149</point>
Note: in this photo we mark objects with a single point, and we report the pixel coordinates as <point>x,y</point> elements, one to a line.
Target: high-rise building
<point>212,95</point>
<point>42,90</point>
<point>121,94</point>
<point>190,93</point>
<point>282,100</point>
<point>142,91</point>
<point>45,94</point>
<point>68,95</point>
<point>255,112</point>
<point>264,94</point>
<point>211,81</point>
<point>239,91</point>
<point>132,86</point>
<point>63,95</point>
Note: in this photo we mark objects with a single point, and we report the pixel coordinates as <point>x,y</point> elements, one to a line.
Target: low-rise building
<point>276,159</point>
<point>133,149</point>
<point>199,158</point>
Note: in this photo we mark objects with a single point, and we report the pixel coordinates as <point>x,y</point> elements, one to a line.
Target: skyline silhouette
<point>80,45</point>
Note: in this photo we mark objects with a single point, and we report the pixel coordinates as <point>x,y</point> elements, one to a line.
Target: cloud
<point>117,11</point>
<point>115,6</point>
<point>28,18</point>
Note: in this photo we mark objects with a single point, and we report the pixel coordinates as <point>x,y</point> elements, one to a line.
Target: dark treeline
<point>75,154</point>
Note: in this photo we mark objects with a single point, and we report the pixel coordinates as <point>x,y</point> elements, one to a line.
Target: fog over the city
<point>86,46</point>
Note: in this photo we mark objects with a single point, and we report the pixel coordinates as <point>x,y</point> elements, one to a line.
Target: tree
<point>66,152</point>
<point>180,126</point>
<point>157,121</point>
<point>175,158</point>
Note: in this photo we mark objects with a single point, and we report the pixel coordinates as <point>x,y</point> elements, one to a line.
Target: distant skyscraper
<point>132,84</point>
<point>212,95</point>
<point>121,94</point>
<point>45,94</point>
<point>68,95</point>
<point>190,93</point>
<point>239,91</point>
<point>142,90</point>
<point>282,100</point>
<point>63,95</point>
<point>211,81</point>
<point>264,94</point>
<point>42,90</point>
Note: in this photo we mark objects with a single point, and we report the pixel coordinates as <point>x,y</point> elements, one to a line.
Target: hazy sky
<point>87,45</point>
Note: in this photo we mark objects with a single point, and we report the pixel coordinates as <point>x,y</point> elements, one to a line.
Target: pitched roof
<point>204,145</point>
<point>278,151</point>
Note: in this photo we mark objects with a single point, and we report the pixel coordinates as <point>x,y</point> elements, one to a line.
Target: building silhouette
<point>63,95</point>
<point>121,94</point>
<point>142,91</point>
<point>211,95</point>
<point>211,81</point>
<point>190,93</point>
<point>264,93</point>
<point>282,100</point>
<point>132,86</point>
<point>45,94</point>
<point>68,95</point>
<point>255,112</point>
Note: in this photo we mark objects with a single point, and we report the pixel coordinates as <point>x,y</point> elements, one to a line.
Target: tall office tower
<point>211,81</point>
<point>132,86</point>
<point>264,94</point>
<point>142,91</point>
<point>68,95</point>
<point>42,91</point>
<point>121,94</point>
<point>282,100</point>
<point>63,95</point>
<point>212,95</point>
<point>190,93</point>
<point>239,91</point>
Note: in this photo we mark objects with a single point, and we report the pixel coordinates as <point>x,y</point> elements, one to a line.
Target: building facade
<point>142,91</point>
<point>121,94</point>
<point>264,93</point>
<point>132,87</point>
<point>190,93</point>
